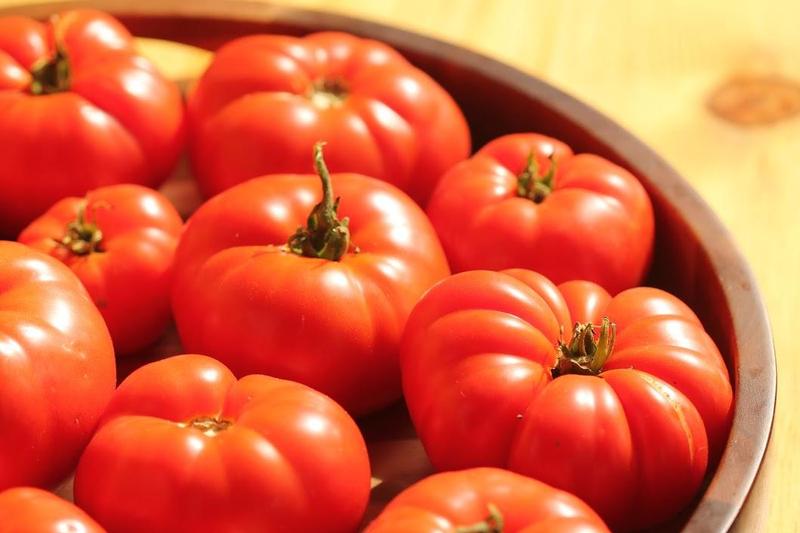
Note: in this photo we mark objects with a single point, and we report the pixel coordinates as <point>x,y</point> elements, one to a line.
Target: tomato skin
<point>290,460</point>
<point>240,297</point>
<point>56,368</point>
<point>443,502</point>
<point>140,229</point>
<point>119,121</point>
<point>251,113</point>
<point>633,442</point>
<point>32,510</point>
<point>595,210</point>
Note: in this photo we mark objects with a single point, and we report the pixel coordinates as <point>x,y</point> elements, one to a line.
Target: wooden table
<point>714,87</point>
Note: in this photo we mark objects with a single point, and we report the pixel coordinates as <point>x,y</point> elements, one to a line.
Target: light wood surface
<point>666,71</point>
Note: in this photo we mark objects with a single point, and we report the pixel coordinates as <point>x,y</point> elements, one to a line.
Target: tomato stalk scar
<point>583,355</point>
<point>208,425</point>
<point>492,524</point>
<point>81,237</point>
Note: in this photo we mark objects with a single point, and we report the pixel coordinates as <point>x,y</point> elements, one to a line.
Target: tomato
<point>79,109</point>
<point>30,510</point>
<point>485,500</point>
<point>184,446</point>
<point>623,412</point>
<point>120,240</point>
<point>324,305</point>
<point>525,200</point>
<point>56,368</point>
<point>266,99</point>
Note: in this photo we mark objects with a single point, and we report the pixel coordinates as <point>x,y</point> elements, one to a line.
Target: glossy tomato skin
<point>32,510</point>
<point>444,502</point>
<point>241,297</point>
<point>56,368</point>
<point>633,441</point>
<point>595,211</point>
<point>119,121</point>
<point>129,276</point>
<point>282,456</point>
<point>254,112</point>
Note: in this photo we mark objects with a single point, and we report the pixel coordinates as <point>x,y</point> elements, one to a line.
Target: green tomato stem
<point>533,185</point>
<point>583,355</point>
<point>492,524</point>
<point>51,75</point>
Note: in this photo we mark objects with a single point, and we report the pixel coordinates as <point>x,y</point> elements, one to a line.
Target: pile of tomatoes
<point>350,253</point>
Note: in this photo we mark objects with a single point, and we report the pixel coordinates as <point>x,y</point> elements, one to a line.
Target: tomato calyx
<point>534,185</point>
<point>82,237</point>
<point>325,236</point>
<point>584,355</point>
<point>51,75</point>
<point>492,524</point>
<point>209,426</point>
<point>328,93</point>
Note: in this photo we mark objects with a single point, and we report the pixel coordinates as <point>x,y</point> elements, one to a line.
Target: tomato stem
<point>208,425</point>
<point>534,185</point>
<point>325,236</point>
<point>327,93</point>
<point>492,524</point>
<point>51,75</point>
<point>82,237</point>
<point>583,355</point>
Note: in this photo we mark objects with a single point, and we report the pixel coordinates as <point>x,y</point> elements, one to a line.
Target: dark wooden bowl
<point>695,256</point>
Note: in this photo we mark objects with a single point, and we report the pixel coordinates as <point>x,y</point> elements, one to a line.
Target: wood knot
<point>753,100</point>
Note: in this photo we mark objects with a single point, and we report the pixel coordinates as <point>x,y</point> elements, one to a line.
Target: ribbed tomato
<point>185,447</point>
<point>266,99</point>
<point>31,510</point>
<point>120,241</point>
<point>56,368</point>
<point>79,109</point>
<point>621,413</point>
<point>485,500</point>
<point>325,304</point>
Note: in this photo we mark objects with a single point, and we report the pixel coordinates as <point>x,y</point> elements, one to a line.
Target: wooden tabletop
<point>713,86</point>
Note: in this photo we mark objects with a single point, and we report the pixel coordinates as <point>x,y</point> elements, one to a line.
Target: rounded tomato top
<point>485,500</point>
<point>526,201</point>
<point>266,99</point>
<point>56,368</point>
<point>78,110</point>
<point>184,446</point>
<point>622,410</point>
<point>32,510</point>
<point>120,240</point>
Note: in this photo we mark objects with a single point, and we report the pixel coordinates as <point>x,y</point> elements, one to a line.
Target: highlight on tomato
<point>266,99</point>
<point>79,109</point>
<point>622,410</point>
<point>184,446</point>
<point>526,201</point>
<point>33,510</point>
<point>485,500</point>
<point>56,368</point>
<point>120,241</point>
<point>276,276</point>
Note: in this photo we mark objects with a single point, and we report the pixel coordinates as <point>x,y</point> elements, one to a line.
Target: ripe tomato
<point>184,446</point>
<point>78,110</point>
<point>324,305</point>
<point>622,415</point>
<point>30,510</point>
<point>485,500</point>
<point>56,368</point>
<point>266,99</point>
<point>524,200</point>
<point>120,240</point>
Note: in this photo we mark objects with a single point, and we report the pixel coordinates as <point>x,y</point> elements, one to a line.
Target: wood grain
<point>654,69</point>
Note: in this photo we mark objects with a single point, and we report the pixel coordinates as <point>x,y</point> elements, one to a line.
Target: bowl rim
<point>755,375</point>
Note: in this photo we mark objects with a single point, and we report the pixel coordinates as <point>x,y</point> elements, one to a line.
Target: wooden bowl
<point>695,257</point>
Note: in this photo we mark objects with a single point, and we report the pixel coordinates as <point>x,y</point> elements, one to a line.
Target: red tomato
<point>184,446</point>
<point>78,110</point>
<point>485,500</point>
<point>120,241</point>
<point>266,99</point>
<point>622,415</point>
<point>30,510</point>
<point>56,368</point>
<point>579,217</point>
<point>323,306</point>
